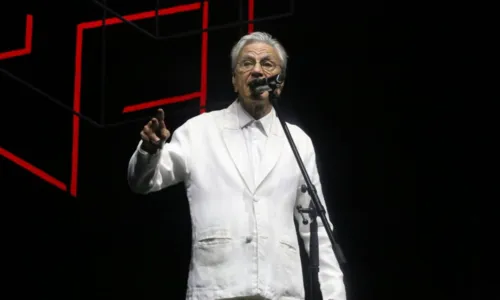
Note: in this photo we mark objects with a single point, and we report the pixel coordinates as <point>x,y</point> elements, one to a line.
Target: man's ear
<point>281,86</point>
<point>233,80</point>
<point>279,90</point>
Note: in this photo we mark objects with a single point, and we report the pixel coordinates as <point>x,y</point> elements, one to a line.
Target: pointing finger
<point>154,124</point>
<point>160,115</point>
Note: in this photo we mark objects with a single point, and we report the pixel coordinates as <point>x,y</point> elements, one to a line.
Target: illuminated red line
<point>165,101</point>
<point>204,59</point>
<point>251,10</point>
<point>202,94</point>
<point>31,168</point>
<point>142,15</point>
<point>76,107</point>
<point>78,73</point>
<point>28,38</point>
<point>27,41</point>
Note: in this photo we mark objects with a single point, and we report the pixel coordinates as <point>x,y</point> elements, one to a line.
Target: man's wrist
<point>149,147</point>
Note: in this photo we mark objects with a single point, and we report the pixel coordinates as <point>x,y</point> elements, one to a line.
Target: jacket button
<point>248,239</point>
<point>255,199</point>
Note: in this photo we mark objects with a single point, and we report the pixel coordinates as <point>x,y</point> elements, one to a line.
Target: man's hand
<point>155,133</point>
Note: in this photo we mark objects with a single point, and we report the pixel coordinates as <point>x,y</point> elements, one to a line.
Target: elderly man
<point>243,186</point>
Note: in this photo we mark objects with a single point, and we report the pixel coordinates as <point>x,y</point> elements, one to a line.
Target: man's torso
<point>244,238</point>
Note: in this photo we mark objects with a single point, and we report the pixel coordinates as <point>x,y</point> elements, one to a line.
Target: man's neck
<point>257,110</point>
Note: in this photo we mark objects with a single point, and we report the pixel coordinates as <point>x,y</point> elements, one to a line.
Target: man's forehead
<point>258,50</point>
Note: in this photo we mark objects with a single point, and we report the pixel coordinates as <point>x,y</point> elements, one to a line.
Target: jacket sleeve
<point>330,274</point>
<point>152,172</point>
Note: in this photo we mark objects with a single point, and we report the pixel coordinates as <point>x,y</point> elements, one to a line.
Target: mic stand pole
<point>315,207</point>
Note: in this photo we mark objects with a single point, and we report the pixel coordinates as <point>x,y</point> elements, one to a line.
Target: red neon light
<point>31,168</point>
<point>204,58</point>
<point>78,74</point>
<point>28,37</point>
<point>142,15</point>
<point>202,94</point>
<point>170,100</point>
<point>251,9</point>
<point>27,41</point>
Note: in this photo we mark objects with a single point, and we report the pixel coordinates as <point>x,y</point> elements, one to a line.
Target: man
<point>243,185</point>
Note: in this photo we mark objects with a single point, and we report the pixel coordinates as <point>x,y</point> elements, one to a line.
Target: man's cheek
<point>245,87</point>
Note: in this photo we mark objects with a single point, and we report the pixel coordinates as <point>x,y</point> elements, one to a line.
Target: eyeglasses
<point>248,64</point>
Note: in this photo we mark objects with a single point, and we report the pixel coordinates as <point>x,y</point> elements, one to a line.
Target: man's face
<point>256,60</point>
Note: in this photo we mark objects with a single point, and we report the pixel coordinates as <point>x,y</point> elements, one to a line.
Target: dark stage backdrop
<point>74,230</point>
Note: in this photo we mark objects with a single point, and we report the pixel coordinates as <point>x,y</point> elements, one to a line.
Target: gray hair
<point>256,37</point>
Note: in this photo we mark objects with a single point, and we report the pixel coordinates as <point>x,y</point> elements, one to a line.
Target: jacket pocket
<point>288,247</point>
<point>212,247</point>
<point>289,265</point>
<point>289,253</point>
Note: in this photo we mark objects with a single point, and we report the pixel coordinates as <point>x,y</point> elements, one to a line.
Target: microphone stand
<point>315,207</point>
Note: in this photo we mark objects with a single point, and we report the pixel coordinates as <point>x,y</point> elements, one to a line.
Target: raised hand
<point>155,133</point>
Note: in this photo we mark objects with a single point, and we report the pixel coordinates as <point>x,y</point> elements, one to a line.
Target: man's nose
<point>257,74</point>
<point>257,70</point>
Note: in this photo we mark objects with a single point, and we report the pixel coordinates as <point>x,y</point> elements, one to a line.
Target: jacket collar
<point>236,146</point>
<point>235,117</point>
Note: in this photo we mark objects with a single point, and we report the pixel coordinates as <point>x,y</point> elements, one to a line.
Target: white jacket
<point>244,240</point>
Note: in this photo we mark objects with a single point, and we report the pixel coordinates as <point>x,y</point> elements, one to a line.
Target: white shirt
<point>256,133</point>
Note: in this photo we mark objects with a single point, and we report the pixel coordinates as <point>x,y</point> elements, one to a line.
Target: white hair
<point>258,37</point>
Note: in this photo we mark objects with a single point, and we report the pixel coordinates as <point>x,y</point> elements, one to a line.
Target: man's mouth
<point>257,96</point>
<point>257,87</point>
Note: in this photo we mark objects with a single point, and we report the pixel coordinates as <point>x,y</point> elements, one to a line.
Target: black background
<point>350,86</point>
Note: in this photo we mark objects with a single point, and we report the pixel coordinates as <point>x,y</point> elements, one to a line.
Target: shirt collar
<point>245,119</point>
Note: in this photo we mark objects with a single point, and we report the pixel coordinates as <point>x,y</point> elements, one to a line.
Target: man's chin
<point>260,96</point>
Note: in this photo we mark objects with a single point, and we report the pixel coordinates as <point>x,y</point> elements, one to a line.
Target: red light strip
<point>78,73</point>
<point>170,100</point>
<point>142,15</point>
<point>76,107</point>
<point>31,168</point>
<point>27,41</point>
<point>202,94</point>
<point>204,59</point>
<point>28,38</point>
<point>251,10</point>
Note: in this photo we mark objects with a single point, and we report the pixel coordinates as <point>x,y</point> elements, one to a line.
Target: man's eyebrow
<point>246,56</point>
